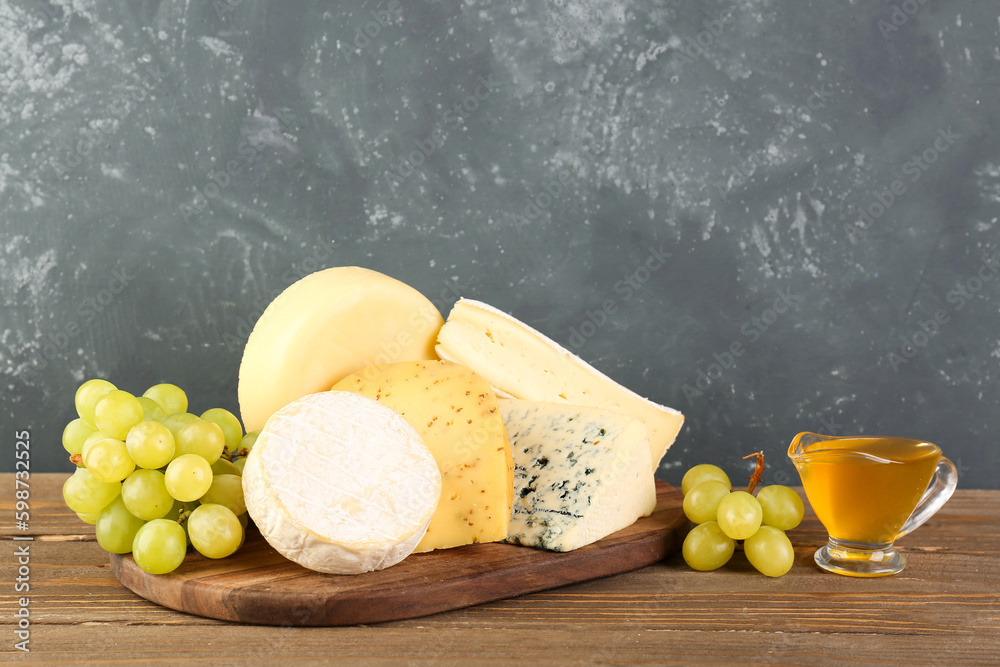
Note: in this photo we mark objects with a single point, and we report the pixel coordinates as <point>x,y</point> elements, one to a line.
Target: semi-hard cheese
<point>456,413</point>
<point>341,484</point>
<point>521,362</point>
<point>325,327</point>
<point>580,473</point>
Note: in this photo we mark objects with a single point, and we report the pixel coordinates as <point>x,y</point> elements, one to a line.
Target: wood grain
<point>943,608</point>
<point>257,585</point>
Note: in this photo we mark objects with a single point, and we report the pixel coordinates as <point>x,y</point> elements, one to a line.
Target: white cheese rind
<point>580,474</point>
<point>341,484</point>
<point>520,362</point>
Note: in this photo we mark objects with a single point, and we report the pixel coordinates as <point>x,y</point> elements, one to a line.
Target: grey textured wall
<point>773,215</point>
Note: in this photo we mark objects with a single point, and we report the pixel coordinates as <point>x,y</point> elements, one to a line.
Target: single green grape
<point>188,477</point>
<point>116,527</point>
<point>231,427</point>
<point>74,435</point>
<point>203,438</point>
<point>706,547</point>
<point>96,436</point>
<point>145,494</point>
<point>86,495</point>
<point>151,410</point>
<point>160,546</point>
<point>169,396</point>
<point>226,490</point>
<point>239,463</point>
<point>177,421</point>
<point>782,507</point>
<point>739,515</point>
<point>150,444</point>
<point>225,467</point>
<point>108,460</point>
<point>89,518</point>
<point>702,501</point>
<point>87,396</point>
<point>702,473</point>
<point>770,551</point>
<point>117,412</point>
<point>249,440</point>
<point>215,530</point>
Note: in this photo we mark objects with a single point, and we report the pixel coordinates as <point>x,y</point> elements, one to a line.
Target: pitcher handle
<point>937,494</point>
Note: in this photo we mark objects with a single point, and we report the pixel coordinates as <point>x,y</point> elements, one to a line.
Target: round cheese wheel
<point>340,483</point>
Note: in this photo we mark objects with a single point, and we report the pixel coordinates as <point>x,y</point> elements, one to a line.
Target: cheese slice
<point>520,362</point>
<point>326,326</point>
<point>456,413</point>
<point>580,473</point>
<point>341,484</point>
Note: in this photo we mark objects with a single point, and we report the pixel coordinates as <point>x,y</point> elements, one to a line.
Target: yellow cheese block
<point>520,362</point>
<point>458,416</point>
<point>325,327</point>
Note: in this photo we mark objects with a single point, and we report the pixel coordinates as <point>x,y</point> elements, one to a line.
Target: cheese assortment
<point>520,362</point>
<point>375,431</point>
<point>326,326</point>
<point>457,415</point>
<point>340,483</point>
<point>580,473</point>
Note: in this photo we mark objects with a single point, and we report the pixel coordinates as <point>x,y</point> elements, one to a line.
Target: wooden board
<point>257,585</point>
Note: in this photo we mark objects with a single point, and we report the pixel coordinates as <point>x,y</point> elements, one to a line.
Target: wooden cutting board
<point>257,585</point>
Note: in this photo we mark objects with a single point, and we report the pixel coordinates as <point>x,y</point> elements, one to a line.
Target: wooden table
<point>944,608</point>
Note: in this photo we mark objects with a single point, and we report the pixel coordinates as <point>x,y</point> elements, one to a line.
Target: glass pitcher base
<point>860,560</point>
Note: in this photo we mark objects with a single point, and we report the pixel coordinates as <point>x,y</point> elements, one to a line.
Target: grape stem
<point>76,459</point>
<point>758,470</point>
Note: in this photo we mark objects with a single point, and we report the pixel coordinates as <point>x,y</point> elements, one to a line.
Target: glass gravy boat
<point>868,492</point>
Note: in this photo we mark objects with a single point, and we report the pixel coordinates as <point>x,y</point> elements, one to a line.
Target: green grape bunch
<point>725,516</point>
<point>153,478</point>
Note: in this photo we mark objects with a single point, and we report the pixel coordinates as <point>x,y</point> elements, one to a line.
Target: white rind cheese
<point>580,474</point>
<point>341,484</point>
<point>520,362</point>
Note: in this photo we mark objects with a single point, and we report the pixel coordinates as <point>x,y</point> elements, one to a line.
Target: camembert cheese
<point>521,362</point>
<point>580,473</point>
<point>341,484</point>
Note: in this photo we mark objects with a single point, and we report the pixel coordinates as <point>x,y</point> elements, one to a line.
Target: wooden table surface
<point>943,608</point>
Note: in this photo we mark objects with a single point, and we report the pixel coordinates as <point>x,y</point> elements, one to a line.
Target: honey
<point>864,489</point>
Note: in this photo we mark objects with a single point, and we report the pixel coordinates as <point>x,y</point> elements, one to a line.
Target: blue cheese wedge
<point>580,473</point>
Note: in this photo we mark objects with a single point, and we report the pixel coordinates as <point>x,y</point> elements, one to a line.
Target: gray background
<point>744,140</point>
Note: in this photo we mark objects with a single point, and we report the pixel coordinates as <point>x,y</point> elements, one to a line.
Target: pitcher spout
<point>797,448</point>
